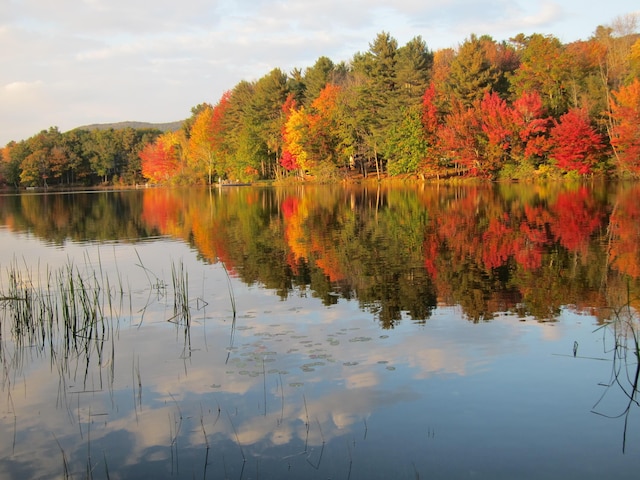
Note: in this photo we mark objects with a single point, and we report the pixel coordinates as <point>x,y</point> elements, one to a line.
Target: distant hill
<point>165,127</point>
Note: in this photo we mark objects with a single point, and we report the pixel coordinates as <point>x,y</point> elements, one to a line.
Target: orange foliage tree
<point>625,135</point>
<point>323,142</point>
<point>159,160</point>
<point>310,138</point>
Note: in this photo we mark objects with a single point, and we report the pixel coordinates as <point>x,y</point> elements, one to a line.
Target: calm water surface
<point>320,332</point>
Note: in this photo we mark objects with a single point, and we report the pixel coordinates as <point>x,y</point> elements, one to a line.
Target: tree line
<point>78,157</point>
<point>527,107</point>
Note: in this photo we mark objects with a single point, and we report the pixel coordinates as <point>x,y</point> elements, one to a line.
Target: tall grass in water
<point>181,308</point>
<point>180,280</point>
<point>73,312</point>
<point>61,311</point>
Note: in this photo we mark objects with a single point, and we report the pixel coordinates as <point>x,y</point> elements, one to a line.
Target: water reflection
<point>299,382</point>
<point>399,252</point>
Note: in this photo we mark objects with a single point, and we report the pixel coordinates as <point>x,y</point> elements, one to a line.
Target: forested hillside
<point>528,107</point>
<point>163,127</point>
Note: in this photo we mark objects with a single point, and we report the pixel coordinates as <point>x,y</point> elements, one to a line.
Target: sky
<point>70,63</point>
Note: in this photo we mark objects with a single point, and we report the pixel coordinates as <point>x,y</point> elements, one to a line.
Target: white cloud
<point>21,88</point>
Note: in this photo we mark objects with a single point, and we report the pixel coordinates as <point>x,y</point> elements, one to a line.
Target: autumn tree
<point>12,155</point>
<point>442,60</point>
<point>497,131</point>
<point>431,122</point>
<point>295,133</point>
<point>323,141</point>
<point>459,139</point>
<point>311,143</point>
<point>130,169</point>
<point>159,160</point>
<point>575,145</point>
<point>505,61</point>
<point>207,141</point>
<point>625,136</point>
<point>288,160</point>
<point>195,111</point>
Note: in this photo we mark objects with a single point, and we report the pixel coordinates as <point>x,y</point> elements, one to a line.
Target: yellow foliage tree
<point>296,131</point>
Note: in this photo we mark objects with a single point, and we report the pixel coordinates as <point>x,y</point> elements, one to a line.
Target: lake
<point>321,332</point>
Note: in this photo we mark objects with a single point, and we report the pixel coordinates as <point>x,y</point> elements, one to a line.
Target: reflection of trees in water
<point>525,249</point>
<point>83,216</point>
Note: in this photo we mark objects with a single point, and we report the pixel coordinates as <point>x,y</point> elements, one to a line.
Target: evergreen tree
<point>471,73</point>
<point>413,70</point>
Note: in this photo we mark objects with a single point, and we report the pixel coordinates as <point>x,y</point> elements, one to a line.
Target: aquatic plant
<point>61,310</point>
<point>71,313</point>
<point>622,334</point>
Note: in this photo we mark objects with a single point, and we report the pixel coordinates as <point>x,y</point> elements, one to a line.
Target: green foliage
<point>413,71</point>
<point>77,157</point>
<point>471,74</point>
<point>544,70</point>
<point>407,145</point>
<point>523,171</point>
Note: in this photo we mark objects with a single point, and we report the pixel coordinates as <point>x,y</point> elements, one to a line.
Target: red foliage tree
<point>289,161</point>
<point>575,145</point>
<point>531,124</point>
<point>459,137</point>
<point>498,129</point>
<point>431,125</point>
<point>430,110</point>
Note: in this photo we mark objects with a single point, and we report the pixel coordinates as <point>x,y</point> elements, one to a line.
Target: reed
<point>206,441</point>
<point>80,303</point>
<point>63,304</point>
<point>181,309</point>
<point>65,462</point>
<point>624,328</point>
<point>232,296</point>
<point>235,432</point>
